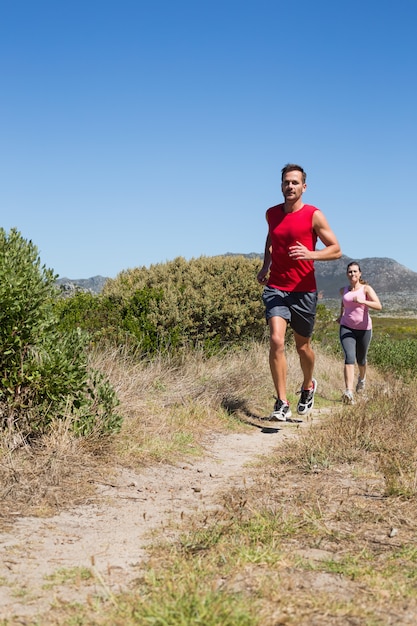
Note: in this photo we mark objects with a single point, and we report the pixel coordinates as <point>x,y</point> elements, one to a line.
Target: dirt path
<point>43,560</point>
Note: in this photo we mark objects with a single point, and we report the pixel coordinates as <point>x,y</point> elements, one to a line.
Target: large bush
<point>44,371</point>
<point>209,301</point>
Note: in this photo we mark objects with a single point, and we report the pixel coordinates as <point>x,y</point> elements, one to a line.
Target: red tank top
<point>285,230</point>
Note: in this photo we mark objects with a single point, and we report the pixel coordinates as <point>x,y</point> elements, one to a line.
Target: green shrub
<point>101,317</point>
<point>112,320</point>
<point>44,371</point>
<point>326,330</point>
<point>396,356</point>
<point>211,301</point>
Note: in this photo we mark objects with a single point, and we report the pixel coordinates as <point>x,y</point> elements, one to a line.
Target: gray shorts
<point>297,307</point>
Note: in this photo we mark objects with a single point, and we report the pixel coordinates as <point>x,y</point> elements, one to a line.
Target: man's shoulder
<point>276,207</point>
<point>311,208</point>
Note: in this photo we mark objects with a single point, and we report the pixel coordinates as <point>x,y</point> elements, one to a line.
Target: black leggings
<point>355,344</point>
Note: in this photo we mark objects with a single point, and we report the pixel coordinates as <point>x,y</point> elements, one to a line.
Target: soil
<point>47,561</point>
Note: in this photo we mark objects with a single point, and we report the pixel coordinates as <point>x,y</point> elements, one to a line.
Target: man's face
<point>292,186</point>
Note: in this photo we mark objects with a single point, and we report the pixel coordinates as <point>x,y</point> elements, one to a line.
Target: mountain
<point>94,284</point>
<point>385,275</point>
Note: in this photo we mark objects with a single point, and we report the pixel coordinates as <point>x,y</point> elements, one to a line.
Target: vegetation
<point>396,328</point>
<point>213,303</point>
<point>210,302</point>
<point>44,372</point>
<point>394,346</point>
<point>324,531</point>
<point>321,533</point>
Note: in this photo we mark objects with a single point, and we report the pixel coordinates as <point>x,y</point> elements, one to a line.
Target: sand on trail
<point>42,559</point>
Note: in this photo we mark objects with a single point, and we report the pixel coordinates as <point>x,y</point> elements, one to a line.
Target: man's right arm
<point>264,271</point>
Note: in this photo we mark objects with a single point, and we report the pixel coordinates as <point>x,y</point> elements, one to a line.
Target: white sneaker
<point>281,411</point>
<point>306,401</point>
<point>347,397</point>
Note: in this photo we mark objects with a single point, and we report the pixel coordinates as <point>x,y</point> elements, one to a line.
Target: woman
<point>356,327</point>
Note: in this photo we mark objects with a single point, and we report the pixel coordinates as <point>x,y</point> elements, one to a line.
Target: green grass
<point>72,575</point>
<point>396,328</point>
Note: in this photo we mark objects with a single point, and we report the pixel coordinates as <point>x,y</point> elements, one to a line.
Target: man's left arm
<point>323,231</point>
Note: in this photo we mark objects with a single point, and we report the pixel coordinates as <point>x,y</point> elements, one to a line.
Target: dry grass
<point>50,475</point>
<point>326,536</point>
<point>169,408</point>
<point>171,405</point>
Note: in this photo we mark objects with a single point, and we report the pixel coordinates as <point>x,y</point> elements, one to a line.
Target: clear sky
<point>133,132</point>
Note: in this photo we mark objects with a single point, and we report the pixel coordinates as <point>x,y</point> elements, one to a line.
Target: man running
<point>290,293</point>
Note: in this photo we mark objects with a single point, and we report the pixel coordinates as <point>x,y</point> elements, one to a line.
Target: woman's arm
<point>372,301</point>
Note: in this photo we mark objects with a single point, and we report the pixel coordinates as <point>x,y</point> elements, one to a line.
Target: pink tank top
<point>355,315</point>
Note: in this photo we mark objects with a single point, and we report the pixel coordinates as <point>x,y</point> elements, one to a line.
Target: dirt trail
<point>42,559</point>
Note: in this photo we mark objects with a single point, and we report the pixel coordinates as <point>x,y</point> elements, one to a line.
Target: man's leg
<point>277,358</point>
<point>307,358</point>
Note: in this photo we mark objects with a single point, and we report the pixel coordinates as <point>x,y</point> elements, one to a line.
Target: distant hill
<point>94,284</point>
<point>385,275</point>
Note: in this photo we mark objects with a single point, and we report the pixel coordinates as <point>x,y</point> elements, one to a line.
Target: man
<point>290,293</point>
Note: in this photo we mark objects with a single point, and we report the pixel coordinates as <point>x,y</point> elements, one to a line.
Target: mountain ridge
<point>386,275</point>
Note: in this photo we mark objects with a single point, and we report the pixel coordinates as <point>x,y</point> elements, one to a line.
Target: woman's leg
<point>348,342</point>
<point>362,346</point>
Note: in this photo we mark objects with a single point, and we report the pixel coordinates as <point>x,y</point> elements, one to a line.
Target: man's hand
<point>262,276</point>
<point>299,252</point>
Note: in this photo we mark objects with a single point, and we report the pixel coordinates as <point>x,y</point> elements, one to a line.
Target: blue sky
<point>133,132</point>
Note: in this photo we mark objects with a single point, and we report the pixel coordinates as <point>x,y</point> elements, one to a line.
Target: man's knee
<point>277,342</point>
<point>304,347</point>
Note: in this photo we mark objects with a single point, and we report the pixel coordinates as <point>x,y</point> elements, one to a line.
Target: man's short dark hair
<point>290,167</point>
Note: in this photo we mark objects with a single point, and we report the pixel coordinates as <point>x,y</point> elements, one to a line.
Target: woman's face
<point>353,273</point>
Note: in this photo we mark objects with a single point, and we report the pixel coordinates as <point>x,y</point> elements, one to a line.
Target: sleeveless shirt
<point>285,229</point>
<point>355,316</point>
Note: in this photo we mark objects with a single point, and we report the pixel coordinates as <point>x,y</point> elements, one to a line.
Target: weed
<point>72,576</point>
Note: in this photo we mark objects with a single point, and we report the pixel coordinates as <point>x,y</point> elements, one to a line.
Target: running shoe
<point>306,401</point>
<point>360,385</point>
<point>281,411</point>
<point>347,397</point>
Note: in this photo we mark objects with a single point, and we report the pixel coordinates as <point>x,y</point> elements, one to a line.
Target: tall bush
<point>44,371</point>
<point>210,300</point>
